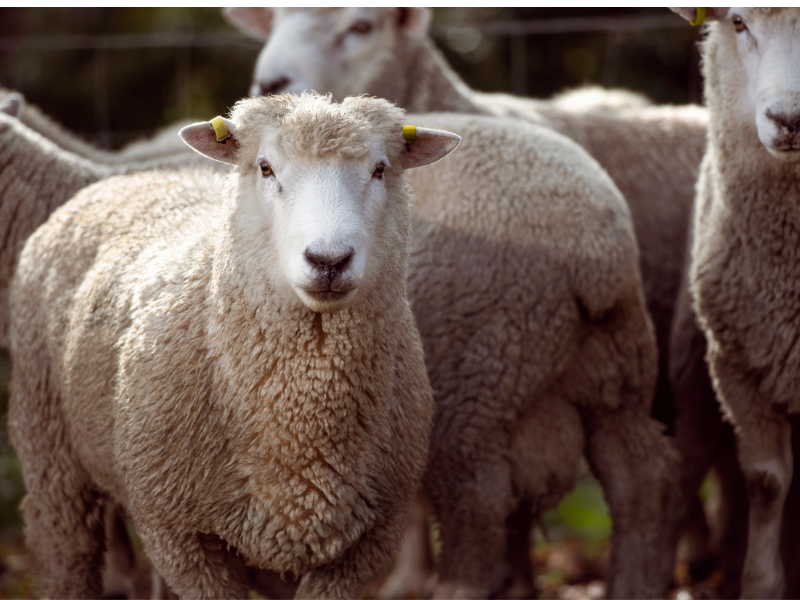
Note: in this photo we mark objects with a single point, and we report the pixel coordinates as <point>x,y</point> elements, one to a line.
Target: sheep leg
<point>730,522</point>
<point>703,440</point>
<point>635,464</point>
<point>194,565</point>
<point>120,560</point>
<point>64,529</point>
<point>472,513</point>
<point>518,553</point>
<point>361,562</point>
<point>414,565</point>
<point>765,453</point>
<point>64,534</point>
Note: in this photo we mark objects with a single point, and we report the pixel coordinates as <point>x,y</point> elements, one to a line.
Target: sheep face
<point>324,217</point>
<point>319,202</point>
<point>332,50</point>
<point>762,73</point>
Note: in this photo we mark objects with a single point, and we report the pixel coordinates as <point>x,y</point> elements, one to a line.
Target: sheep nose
<point>331,263</point>
<point>791,123</point>
<point>274,86</point>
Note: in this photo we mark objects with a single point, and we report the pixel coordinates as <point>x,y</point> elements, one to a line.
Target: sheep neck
<point>429,84</point>
<point>306,399</point>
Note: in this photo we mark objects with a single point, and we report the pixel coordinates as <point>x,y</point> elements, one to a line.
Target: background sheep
<point>538,348</point>
<point>269,392</point>
<point>38,175</point>
<point>159,150</point>
<point>35,178</point>
<point>744,279</point>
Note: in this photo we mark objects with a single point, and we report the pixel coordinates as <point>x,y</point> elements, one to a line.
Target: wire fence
<point>517,33</point>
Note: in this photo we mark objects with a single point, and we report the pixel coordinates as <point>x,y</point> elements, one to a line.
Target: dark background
<point>116,75</point>
<point>113,96</point>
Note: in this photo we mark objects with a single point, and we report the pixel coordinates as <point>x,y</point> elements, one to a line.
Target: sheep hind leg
<point>518,553</point>
<point>64,534</point>
<point>635,464</point>
<point>472,516</point>
<point>120,562</point>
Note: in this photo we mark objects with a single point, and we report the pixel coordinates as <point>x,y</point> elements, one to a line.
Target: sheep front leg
<point>360,563</point>
<point>635,464</point>
<point>194,565</point>
<point>765,453</point>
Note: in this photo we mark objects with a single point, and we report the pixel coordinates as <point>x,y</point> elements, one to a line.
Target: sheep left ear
<point>426,146</point>
<point>12,104</point>
<point>253,22</point>
<point>213,142</point>
<point>692,14</point>
<point>415,21</point>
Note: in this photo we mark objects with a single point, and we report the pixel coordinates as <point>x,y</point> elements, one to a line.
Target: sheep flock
<point>278,345</point>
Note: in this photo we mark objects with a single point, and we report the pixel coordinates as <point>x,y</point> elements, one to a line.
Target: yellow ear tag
<point>701,17</point>
<point>219,128</point>
<point>409,132</point>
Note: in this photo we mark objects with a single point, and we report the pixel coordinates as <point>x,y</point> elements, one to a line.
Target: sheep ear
<point>427,146</point>
<point>690,14</point>
<point>12,104</point>
<point>415,20</point>
<point>253,22</point>
<point>202,138</point>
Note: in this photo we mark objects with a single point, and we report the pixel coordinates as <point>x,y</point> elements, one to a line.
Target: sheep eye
<point>378,172</point>
<point>266,170</point>
<point>738,24</point>
<point>361,27</point>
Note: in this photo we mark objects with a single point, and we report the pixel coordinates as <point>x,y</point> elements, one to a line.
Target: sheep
<point>743,277</point>
<point>233,361</point>
<point>38,174</point>
<point>165,148</point>
<point>539,348</point>
<point>35,178</point>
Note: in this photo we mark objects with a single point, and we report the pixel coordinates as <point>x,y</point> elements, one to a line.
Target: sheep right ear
<point>425,146</point>
<point>202,138</point>
<point>12,104</point>
<point>253,22</point>
<point>690,14</point>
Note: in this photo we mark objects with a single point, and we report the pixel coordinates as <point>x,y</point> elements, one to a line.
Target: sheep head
<point>319,191</point>
<point>756,69</point>
<point>330,50</point>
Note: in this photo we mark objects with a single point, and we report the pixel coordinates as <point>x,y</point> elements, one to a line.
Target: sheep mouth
<point>328,296</point>
<point>788,154</point>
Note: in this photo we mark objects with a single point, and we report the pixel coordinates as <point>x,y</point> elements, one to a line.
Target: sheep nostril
<point>274,86</point>
<point>329,263</point>
<point>789,122</point>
